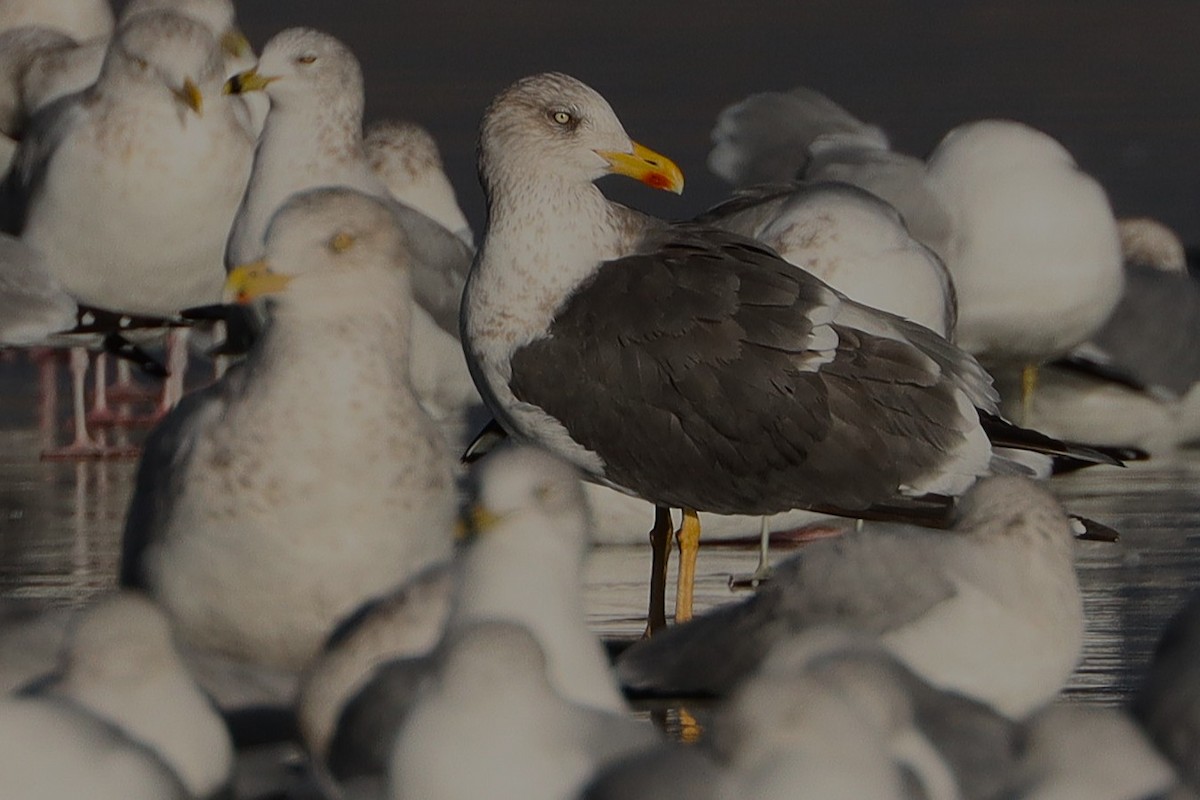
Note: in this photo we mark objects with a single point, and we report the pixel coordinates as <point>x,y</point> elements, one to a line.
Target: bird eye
<point>341,242</point>
<point>140,62</point>
<point>562,117</point>
<point>306,59</point>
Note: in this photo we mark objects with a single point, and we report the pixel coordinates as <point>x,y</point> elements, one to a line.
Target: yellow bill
<point>190,95</point>
<point>248,81</point>
<point>250,281</point>
<point>643,164</point>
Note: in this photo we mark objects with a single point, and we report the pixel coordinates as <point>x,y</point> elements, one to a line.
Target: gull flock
<point>906,346</point>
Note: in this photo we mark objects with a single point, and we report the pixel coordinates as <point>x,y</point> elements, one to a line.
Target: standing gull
<point>274,503</point>
<point>688,366</point>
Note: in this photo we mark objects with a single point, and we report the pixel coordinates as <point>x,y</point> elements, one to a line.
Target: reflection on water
<point>60,529</point>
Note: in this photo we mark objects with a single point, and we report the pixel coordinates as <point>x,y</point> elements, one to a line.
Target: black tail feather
<point>1005,434</point>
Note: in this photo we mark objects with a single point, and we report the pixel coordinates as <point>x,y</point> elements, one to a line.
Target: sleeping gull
<point>687,366</point>
<point>491,724</point>
<point>313,137</point>
<point>1037,263</point>
<point>273,503</point>
<point>990,609</point>
<point>120,663</point>
<point>406,158</point>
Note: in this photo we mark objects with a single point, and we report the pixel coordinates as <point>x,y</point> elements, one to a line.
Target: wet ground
<point>60,527</point>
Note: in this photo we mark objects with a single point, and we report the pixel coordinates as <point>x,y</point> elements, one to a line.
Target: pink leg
<point>83,445</point>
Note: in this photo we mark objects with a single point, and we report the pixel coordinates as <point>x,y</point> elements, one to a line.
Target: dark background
<point>1116,82</point>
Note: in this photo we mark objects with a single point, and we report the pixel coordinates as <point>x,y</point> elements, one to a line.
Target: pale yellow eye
<point>341,242</point>
<point>308,59</point>
<point>562,117</point>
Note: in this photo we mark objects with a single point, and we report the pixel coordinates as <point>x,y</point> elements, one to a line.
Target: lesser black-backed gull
<point>685,365</point>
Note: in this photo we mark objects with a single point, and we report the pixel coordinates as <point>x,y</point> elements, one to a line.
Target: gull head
<point>525,491</point>
<point>302,65</point>
<point>161,48</point>
<point>555,125</point>
<point>320,232</point>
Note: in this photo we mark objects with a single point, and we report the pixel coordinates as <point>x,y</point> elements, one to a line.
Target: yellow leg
<point>1029,379</point>
<point>689,545</point>
<point>660,545</point>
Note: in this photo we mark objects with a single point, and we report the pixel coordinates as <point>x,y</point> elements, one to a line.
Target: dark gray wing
<point>48,128</point>
<point>708,373</point>
<point>871,581</point>
<point>766,137</point>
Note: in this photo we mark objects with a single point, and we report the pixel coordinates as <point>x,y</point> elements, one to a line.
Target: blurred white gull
<point>990,609</point>
<point>275,502</point>
<point>313,137</point>
<point>120,664</point>
<point>491,724</point>
<point>523,564</point>
<point>33,305</point>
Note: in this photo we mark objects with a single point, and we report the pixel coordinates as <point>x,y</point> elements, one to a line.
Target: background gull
<point>405,157</point>
<point>688,366</point>
<point>32,303</point>
<point>990,609</point>
<point>273,503</point>
<point>313,137</point>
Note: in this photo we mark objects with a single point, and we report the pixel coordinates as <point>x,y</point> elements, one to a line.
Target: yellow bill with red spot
<point>643,164</point>
<point>250,281</point>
